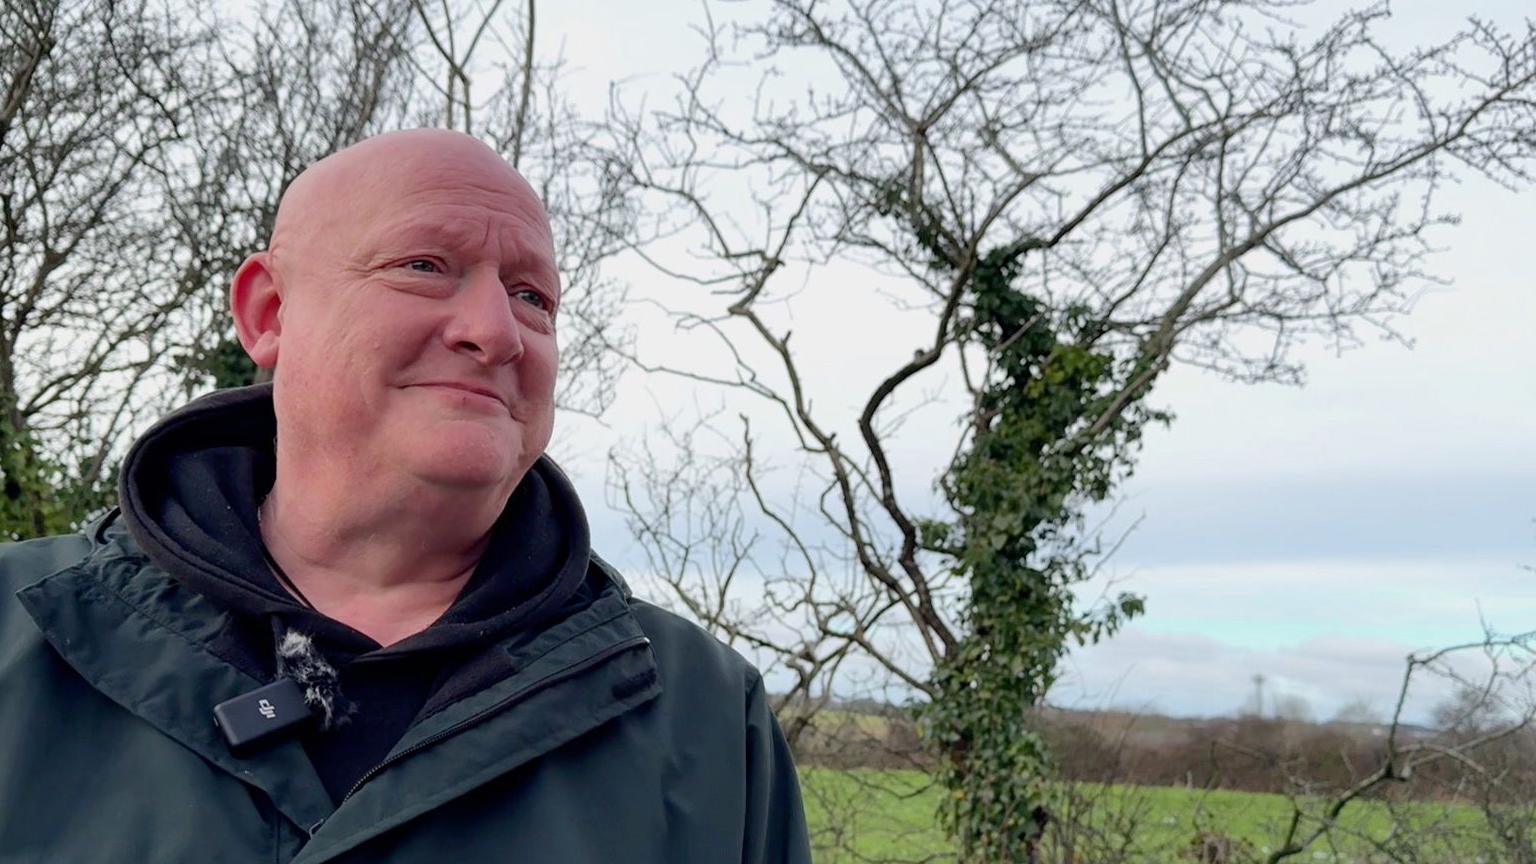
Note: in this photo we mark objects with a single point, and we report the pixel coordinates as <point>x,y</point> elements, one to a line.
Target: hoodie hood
<point>190,488</point>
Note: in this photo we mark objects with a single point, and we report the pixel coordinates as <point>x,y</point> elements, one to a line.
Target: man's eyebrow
<point>387,240</point>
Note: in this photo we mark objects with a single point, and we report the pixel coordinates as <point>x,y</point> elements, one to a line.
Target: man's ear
<point>255,296</point>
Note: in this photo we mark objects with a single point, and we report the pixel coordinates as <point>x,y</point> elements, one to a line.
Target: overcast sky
<point>1314,535</point>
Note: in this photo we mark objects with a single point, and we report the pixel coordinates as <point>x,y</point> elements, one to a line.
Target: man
<point>376,542</point>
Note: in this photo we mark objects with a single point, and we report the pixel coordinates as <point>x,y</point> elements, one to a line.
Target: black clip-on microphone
<point>258,717</point>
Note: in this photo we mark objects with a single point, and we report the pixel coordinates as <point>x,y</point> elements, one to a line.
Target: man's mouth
<point>480,392</point>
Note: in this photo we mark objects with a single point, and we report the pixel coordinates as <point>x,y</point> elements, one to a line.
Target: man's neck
<point>387,566</point>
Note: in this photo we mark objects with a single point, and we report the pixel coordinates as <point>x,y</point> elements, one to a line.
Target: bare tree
<point>1490,712</point>
<point>1077,194</point>
<point>94,126</point>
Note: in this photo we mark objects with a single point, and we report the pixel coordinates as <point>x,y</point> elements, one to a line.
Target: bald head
<point>407,307</point>
<point>323,204</point>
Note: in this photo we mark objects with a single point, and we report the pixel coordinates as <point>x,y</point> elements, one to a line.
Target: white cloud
<point>1191,675</point>
<point>1264,605</point>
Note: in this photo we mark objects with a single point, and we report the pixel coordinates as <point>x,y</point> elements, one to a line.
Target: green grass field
<point>889,815</point>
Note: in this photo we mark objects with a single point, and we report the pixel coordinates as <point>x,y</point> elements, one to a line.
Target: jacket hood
<point>191,485</point>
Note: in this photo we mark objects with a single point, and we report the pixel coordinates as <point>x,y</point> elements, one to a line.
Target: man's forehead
<point>398,170</point>
<point>467,228</point>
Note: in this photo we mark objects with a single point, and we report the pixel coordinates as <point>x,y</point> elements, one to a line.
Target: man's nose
<point>483,324</point>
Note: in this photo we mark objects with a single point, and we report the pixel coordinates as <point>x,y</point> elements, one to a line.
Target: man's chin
<point>470,464</point>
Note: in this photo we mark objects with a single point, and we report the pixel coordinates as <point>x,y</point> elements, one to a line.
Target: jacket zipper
<point>555,677</point>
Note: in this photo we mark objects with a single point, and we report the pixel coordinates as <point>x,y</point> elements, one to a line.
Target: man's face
<point>418,325</point>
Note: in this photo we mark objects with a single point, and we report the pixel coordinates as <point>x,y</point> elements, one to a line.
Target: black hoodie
<point>190,488</point>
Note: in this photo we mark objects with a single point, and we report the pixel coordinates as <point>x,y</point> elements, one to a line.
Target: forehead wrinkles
<point>470,192</point>
<point>340,208</point>
<point>517,243</point>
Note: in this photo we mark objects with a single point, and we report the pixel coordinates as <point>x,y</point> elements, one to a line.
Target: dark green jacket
<point>625,734</point>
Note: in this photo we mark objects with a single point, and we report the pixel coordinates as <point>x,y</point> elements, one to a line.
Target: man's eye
<point>530,296</point>
<point>423,265</point>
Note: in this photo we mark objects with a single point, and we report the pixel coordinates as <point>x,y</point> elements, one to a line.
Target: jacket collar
<point>143,640</point>
<point>571,679</point>
<point>150,644</point>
